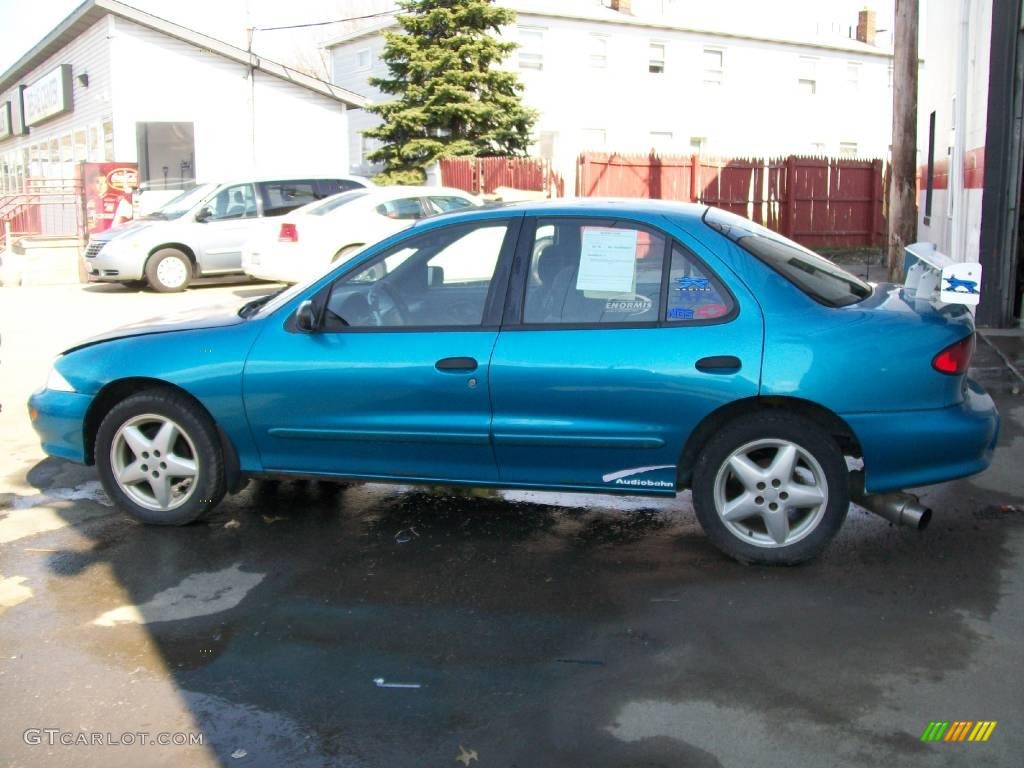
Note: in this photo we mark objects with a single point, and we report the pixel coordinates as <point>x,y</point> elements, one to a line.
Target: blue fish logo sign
<point>693,284</point>
<point>957,285</point>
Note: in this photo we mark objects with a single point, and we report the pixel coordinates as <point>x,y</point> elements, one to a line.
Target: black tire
<point>806,436</point>
<point>346,252</point>
<point>153,270</point>
<point>208,484</point>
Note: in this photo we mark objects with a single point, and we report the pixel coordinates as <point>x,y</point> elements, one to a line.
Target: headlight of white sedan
<point>56,382</point>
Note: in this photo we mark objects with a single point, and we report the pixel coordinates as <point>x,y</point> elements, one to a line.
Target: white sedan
<point>310,238</point>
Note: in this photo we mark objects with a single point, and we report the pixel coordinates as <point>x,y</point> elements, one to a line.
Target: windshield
<point>334,202</point>
<point>816,276</point>
<point>282,297</point>
<point>178,206</point>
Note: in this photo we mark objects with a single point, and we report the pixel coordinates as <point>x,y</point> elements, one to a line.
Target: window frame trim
<point>515,302</point>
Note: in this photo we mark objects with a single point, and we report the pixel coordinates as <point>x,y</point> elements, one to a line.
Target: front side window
<point>587,273</point>
<point>234,202</point>
<point>279,197</point>
<point>439,279</point>
<point>819,278</point>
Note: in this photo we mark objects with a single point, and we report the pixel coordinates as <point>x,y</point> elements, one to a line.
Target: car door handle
<point>456,364</point>
<point>719,364</point>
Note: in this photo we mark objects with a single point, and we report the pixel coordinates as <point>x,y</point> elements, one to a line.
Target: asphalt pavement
<point>534,629</point>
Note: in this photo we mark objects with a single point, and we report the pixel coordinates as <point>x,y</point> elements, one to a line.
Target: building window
<point>807,78</point>
<point>848,149</point>
<point>364,59</point>
<point>817,148</point>
<point>594,138</point>
<point>697,144</point>
<point>656,59</point>
<point>108,140</point>
<point>931,170</point>
<point>853,76</point>
<point>714,61</point>
<point>599,51</point>
<point>661,140</point>
<point>531,48</point>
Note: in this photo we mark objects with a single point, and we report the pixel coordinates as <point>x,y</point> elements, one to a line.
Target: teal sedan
<point>633,347</point>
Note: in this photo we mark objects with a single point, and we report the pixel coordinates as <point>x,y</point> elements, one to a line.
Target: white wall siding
<point>954,85</point>
<point>295,130</point>
<point>88,54</point>
<point>758,109</point>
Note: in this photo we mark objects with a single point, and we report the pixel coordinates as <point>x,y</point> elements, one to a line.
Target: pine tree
<point>452,97</point>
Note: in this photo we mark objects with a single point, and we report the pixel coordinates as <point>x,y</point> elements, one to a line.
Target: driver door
<point>394,383</point>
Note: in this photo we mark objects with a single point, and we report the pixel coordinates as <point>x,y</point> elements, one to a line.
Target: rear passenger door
<point>617,341</point>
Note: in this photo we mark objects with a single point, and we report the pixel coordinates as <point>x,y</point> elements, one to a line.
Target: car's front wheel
<point>168,270</point>
<point>159,458</point>
<point>771,488</point>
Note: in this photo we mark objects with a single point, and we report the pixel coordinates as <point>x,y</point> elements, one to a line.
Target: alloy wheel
<point>154,462</point>
<point>771,493</point>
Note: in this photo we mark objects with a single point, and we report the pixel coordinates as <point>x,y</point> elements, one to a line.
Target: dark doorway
<point>167,154</point>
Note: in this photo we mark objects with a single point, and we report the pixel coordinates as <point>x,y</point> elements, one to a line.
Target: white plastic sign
<point>607,261</point>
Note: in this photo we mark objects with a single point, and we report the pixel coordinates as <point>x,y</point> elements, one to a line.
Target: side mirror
<point>435,276</point>
<point>204,213</point>
<point>305,317</point>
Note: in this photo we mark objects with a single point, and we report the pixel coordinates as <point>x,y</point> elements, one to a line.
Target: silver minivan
<point>200,232</point>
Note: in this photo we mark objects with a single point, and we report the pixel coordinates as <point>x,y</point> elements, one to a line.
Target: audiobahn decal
<point>625,477</point>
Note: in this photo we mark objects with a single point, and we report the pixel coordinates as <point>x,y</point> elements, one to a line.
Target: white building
<point>970,106</point>
<point>629,77</point>
<point>112,83</point>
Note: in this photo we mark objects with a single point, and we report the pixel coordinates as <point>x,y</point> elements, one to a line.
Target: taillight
<point>289,234</point>
<point>955,358</point>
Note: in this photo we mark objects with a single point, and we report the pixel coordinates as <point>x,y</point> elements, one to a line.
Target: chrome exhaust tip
<point>898,508</point>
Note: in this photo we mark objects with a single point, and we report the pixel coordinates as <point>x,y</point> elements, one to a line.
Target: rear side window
<point>279,197</point>
<point>694,294</point>
<point>593,273</point>
<point>818,277</point>
<point>406,208</point>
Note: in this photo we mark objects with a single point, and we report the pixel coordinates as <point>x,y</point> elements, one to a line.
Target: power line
<point>325,23</point>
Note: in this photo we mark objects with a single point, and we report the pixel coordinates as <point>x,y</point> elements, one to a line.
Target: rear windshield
<point>336,201</point>
<point>818,277</point>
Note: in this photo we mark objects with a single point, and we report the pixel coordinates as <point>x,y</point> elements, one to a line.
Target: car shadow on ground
<point>542,629</point>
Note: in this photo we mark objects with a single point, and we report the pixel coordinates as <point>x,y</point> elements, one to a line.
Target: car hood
<point>124,230</point>
<point>188,320</point>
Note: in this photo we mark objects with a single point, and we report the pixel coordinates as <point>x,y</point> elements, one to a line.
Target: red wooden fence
<point>483,175</point>
<point>819,202</point>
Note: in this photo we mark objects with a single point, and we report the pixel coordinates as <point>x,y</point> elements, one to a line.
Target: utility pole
<point>903,168</point>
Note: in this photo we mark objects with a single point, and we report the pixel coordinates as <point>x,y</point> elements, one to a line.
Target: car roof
<point>256,178</point>
<point>602,208</point>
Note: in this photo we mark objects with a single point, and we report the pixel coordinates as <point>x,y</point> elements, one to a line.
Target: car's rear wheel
<point>771,488</point>
<point>168,270</point>
<point>159,458</point>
